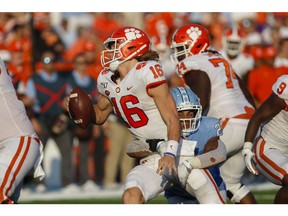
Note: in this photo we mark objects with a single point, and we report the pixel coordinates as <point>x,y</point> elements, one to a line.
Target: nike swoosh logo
<point>128,88</point>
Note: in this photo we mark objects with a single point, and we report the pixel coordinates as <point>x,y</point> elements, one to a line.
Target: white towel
<point>38,170</point>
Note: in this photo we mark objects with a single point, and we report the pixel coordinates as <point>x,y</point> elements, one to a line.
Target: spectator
<point>117,161</point>
<point>94,66</point>
<point>46,38</point>
<point>105,23</point>
<point>84,34</point>
<point>19,70</point>
<point>80,77</point>
<point>281,59</point>
<point>48,90</point>
<point>66,33</point>
<point>260,80</point>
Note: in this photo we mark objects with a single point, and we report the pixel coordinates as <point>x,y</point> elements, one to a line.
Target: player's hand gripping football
<point>80,107</point>
<point>248,158</point>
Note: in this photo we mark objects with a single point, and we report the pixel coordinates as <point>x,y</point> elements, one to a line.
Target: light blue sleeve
<point>31,92</point>
<point>30,89</point>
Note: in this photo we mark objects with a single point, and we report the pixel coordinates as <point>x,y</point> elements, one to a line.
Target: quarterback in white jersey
<point>222,95</point>
<point>20,147</point>
<point>133,85</point>
<point>271,146</point>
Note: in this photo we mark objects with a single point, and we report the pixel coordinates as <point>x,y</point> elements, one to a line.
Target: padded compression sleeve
<point>210,158</point>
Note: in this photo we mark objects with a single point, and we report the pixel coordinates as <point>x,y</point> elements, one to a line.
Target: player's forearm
<point>210,158</point>
<point>100,116</point>
<point>253,127</point>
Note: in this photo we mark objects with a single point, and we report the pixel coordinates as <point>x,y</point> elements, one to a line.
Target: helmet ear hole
<point>131,48</point>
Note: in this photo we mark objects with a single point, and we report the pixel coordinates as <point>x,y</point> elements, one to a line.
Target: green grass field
<point>262,197</point>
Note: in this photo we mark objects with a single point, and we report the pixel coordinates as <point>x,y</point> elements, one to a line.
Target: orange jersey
<point>261,80</point>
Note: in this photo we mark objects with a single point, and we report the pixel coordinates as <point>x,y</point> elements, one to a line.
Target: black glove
<point>153,144</point>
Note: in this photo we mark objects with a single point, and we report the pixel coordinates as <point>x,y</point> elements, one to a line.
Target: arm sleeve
<point>210,158</point>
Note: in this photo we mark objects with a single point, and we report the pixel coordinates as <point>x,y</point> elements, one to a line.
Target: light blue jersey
<point>209,127</point>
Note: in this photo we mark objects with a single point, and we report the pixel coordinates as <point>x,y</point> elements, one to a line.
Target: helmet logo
<point>194,33</point>
<point>132,33</point>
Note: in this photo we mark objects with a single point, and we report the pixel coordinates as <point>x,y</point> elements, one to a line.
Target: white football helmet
<point>233,41</point>
<point>186,99</point>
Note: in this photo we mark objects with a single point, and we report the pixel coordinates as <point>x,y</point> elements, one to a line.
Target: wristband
<point>247,145</point>
<point>171,148</point>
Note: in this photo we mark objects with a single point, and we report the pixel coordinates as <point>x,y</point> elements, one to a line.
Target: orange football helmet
<point>124,44</point>
<point>233,41</point>
<point>189,40</point>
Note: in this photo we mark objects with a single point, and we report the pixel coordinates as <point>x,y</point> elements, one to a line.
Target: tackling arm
<point>270,108</point>
<point>167,108</point>
<point>215,153</point>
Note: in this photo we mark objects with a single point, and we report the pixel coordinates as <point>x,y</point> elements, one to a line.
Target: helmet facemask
<point>233,41</point>
<point>123,45</point>
<point>189,109</point>
<point>233,47</point>
<point>192,124</point>
<point>180,52</point>
<point>111,56</point>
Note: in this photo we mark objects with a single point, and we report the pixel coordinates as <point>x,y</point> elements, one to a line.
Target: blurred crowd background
<point>64,45</point>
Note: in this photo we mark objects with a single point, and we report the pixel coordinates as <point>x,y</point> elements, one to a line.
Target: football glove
<point>248,158</point>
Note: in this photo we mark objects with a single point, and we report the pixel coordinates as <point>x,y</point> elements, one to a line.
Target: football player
<point>222,95</point>
<point>233,42</point>
<point>271,145</point>
<point>134,86</point>
<point>20,147</point>
<point>200,149</point>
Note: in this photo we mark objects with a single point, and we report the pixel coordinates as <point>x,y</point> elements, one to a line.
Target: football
<point>80,107</point>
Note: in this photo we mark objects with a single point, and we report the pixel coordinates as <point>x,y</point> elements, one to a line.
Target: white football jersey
<point>14,121</point>
<point>242,64</point>
<point>131,101</point>
<point>227,99</point>
<point>275,132</point>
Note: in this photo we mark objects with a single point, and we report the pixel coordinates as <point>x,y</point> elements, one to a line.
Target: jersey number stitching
<point>230,74</point>
<point>131,111</point>
<point>157,71</point>
<point>281,87</point>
